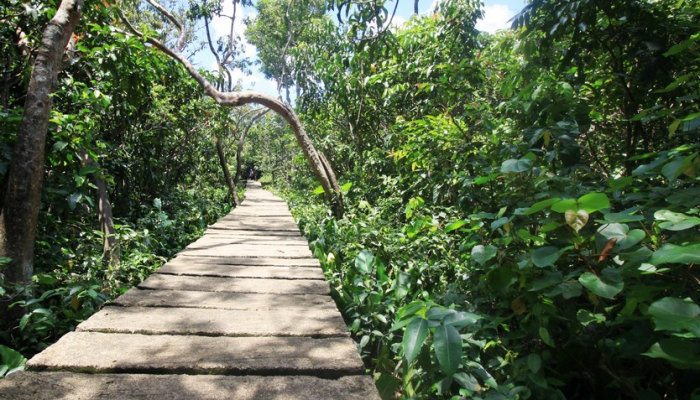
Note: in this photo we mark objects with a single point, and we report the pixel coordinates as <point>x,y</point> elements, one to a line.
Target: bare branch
<point>182,39</point>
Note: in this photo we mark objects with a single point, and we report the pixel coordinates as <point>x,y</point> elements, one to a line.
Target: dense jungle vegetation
<point>521,209</point>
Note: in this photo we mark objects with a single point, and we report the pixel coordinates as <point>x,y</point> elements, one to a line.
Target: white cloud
<point>495,18</point>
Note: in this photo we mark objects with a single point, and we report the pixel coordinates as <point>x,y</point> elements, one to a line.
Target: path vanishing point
<point>242,313</point>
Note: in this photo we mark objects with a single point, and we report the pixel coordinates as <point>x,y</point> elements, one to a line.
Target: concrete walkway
<point>242,313</point>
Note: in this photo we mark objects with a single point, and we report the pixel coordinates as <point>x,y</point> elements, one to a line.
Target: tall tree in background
<point>279,30</point>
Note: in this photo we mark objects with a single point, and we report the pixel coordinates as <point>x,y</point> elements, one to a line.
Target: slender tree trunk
<point>20,210</point>
<point>227,175</point>
<point>111,252</point>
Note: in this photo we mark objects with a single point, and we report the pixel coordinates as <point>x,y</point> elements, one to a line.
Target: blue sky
<point>497,14</point>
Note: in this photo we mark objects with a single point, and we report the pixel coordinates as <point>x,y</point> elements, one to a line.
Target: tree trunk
<point>20,208</point>
<point>227,175</point>
<point>18,218</point>
<point>111,252</point>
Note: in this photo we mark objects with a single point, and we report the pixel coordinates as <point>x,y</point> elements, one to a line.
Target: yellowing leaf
<point>576,219</point>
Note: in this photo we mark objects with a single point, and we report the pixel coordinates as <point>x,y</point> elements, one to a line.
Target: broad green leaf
<point>88,169</point>
<point>499,222</point>
<point>74,199</point>
<point>345,188</point>
<point>686,197</point>
<point>60,145</point>
<point>482,254</point>
<point>544,335</point>
<point>364,262</point>
<point>576,219</point>
<point>364,341</point>
<point>484,179</point>
<point>534,362</point>
<point>549,279</point>
<point>319,190</point>
<point>682,46</point>
<point>443,386</point>
<point>675,168</point>
<point>467,381</point>
<point>157,203</point>
<point>625,238</point>
<point>670,253</point>
<point>620,183</point>
<point>461,319</point>
<point>448,348</point>
<point>590,202</point>
<point>563,205</point>
<point>12,359</point>
<point>547,256</point>
<point>541,205</point>
<point>593,202</point>
<point>386,384</point>
<point>622,217</point>
<point>567,290</point>
<point>455,225</point>
<point>413,338</point>
<point>608,285</point>
<point>516,166</point>
<point>682,354</point>
<point>672,314</point>
<point>675,221</point>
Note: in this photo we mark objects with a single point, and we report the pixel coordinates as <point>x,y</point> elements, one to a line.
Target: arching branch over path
<point>322,169</point>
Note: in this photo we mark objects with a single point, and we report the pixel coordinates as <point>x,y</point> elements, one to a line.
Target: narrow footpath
<point>242,313</point>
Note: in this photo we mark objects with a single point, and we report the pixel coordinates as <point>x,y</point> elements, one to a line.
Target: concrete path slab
<point>214,269</point>
<point>241,271</point>
<point>72,386</point>
<point>250,232</point>
<point>250,250</point>
<point>216,322</point>
<point>93,352</point>
<point>270,262</point>
<point>223,300</point>
<point>251,285</point>
<point>255,226</point>
<point>208,240</point>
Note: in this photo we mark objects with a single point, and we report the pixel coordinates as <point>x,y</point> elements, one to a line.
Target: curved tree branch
<point>236,99</point>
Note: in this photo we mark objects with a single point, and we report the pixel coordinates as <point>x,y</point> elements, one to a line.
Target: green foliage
<point>539,185</point>
<point>10,361</point>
